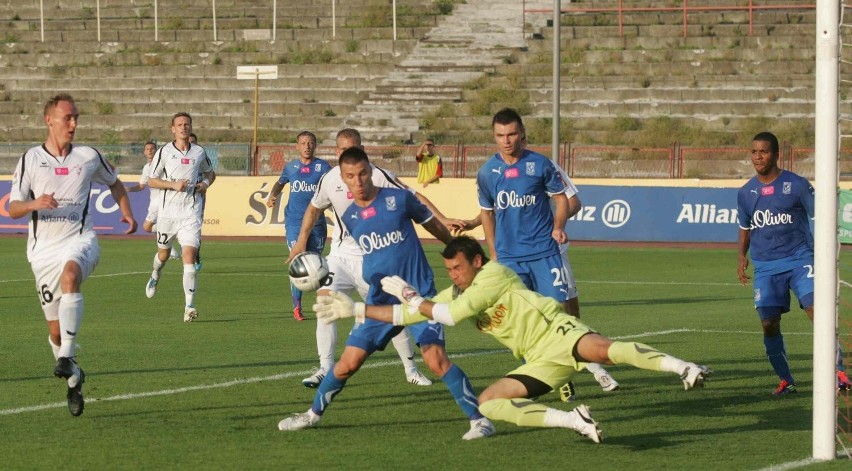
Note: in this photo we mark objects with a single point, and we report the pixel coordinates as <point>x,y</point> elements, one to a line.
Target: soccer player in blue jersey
<point>524,208</point>
<point>302,175</point>
<point>380,220</point>
<point>774,210</point>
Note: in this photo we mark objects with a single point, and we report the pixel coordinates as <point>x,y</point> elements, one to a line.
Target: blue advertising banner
<point>655,214</point>
<point>105,213</point>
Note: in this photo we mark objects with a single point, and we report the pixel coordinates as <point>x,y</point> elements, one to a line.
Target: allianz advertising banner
<point>105,213</point>
<point>611,211</point>
<point>655,214</point>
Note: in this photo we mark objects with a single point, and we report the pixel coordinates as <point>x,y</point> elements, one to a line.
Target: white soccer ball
<point>308,271</point>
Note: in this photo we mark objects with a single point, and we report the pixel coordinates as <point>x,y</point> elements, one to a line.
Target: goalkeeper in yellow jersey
<point>553,345</point>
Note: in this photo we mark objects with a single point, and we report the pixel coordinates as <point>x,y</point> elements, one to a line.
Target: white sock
<point>53,347</point>
<point>594,368</point>
<point>672,364</point>
<point>402,344</point>
<point>190,283</point>
<point>158,265</point>
<point>326,343</point>
<point>560,418</point>
<point>70,316</point>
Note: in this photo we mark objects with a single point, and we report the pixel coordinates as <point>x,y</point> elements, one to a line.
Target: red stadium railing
<point>685,8</point>
<point>463,161</point>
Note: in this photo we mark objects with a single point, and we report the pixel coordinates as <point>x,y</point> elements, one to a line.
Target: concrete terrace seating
<point>717,76</point>
<point>128,85</point>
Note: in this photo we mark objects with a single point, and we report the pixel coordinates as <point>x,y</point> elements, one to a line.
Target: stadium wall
<point>613,210</point>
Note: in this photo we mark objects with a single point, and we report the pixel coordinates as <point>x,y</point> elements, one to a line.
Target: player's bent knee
<point>436,359</point>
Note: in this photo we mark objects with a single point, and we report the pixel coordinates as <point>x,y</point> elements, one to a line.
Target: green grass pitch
<point>162,394</point>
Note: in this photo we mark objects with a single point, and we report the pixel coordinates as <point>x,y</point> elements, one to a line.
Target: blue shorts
<point>373,335</point>
<point>545,276</point>
<point>772,292</point>
<point>316,241</point>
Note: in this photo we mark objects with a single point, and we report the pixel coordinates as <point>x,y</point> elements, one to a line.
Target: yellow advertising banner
<point>236,206</point>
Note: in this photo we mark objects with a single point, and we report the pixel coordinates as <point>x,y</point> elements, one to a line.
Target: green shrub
<point>444,7</point>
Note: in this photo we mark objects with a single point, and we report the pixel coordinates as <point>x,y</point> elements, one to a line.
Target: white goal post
<point>826,146</point>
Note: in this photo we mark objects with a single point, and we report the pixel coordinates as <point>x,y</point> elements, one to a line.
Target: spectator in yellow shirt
<point>429,166</point>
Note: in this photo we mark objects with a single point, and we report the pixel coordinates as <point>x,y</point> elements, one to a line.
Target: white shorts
<point>48,265</point>
<point>153,210</point>
<point>568,275</point>
<point>186,230</point>
<point>345,273</point>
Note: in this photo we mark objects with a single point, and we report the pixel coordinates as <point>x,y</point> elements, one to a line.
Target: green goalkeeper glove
<point>338,305</point>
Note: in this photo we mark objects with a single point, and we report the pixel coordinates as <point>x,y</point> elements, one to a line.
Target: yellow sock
<point>522,412</point>
<point>636,354</point>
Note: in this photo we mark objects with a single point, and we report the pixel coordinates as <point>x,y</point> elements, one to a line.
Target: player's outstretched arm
<point>312,215</point>
<point>439,230</point>
<point>119,194</point>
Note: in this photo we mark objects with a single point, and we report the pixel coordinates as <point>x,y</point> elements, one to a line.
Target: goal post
<point>826,144</point>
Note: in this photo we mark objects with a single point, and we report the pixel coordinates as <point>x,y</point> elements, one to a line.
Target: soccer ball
<point>308,271</point>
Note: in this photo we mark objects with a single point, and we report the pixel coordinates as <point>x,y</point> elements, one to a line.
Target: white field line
<point>380,364</point>
<point>284,273</point>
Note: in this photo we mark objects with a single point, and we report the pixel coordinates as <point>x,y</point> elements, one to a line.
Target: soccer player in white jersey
<point>345,259</point>
<point>51,185</point>
<point>175,172</point>
<point>151,218</point>
<point>381,220</point>
<point>535,328</point>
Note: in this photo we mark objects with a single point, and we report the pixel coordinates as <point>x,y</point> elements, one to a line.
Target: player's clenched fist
<point>396,286</point>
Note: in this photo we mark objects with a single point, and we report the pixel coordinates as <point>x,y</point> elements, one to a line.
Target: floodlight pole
<point>274,17</point>
<point>156,23</point>
<point>825,229</point>
<point>98,7</point>
<point>394,20</point>
<point>557,60</point>
<point>215,33</point>
<point>256,87</point>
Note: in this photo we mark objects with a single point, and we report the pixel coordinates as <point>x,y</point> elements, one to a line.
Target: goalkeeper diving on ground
<point>553,345</point>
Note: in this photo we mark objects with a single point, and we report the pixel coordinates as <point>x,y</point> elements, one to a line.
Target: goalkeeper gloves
<point>338,305</point>
<point>396,286</point>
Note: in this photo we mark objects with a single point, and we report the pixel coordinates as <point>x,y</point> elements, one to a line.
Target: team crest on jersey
<point>788,188</point>
<point>367,213</point>
<point>756,294</point>
<point>317,167</point>
<point>349,195</point>
<point>390,203</point>
<point>60,171</point>
<point>305,170</point>
<point>530,168</point>
<point>511,173</point>
<point>767,190</point>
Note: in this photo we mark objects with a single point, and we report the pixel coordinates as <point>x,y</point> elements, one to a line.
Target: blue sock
<point>327,390</point>
<point>777,355</point>
<point>462,392</point>
<point>297,296</point>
